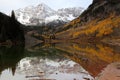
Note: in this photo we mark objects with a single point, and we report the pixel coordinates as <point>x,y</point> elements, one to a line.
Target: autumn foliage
<point>100,28</point>
<point>96,28</point>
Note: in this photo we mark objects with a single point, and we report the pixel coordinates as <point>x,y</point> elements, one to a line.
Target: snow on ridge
<point>44,14</point>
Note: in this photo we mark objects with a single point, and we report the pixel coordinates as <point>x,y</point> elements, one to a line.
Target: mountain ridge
<point>43,14</point>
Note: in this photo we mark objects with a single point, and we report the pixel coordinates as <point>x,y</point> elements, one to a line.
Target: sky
<point>7,5</point>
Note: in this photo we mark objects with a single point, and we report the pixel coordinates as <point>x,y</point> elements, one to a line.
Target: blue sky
<point>7,5</point>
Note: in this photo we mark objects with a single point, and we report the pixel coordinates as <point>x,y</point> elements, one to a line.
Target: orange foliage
<point>101,28</point>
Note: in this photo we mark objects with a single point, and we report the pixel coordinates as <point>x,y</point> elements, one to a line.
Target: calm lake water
<point>60,62</point>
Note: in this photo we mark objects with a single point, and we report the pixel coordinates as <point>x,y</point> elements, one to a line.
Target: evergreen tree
<point>13,15</point>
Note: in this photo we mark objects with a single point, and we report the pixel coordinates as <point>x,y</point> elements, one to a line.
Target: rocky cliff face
<point>10,29</point>
<point>111,1</point>
<point>101,9</point>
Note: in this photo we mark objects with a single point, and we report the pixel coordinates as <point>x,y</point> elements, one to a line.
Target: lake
<point>60,61</point>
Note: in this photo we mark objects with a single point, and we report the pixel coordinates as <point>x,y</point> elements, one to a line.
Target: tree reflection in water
<point>10,56</point>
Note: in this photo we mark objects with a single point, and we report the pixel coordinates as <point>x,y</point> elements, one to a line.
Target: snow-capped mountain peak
<point>43,14</point>
<point>43,6</point>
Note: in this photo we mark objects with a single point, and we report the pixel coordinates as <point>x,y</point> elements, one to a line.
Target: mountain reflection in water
<point>60,62</point>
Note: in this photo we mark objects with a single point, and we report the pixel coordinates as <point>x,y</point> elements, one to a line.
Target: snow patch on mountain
<point>43,14</point>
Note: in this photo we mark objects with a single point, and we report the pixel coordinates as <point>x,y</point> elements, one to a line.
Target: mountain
<point>43,14</point>
<point>99,22</point>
